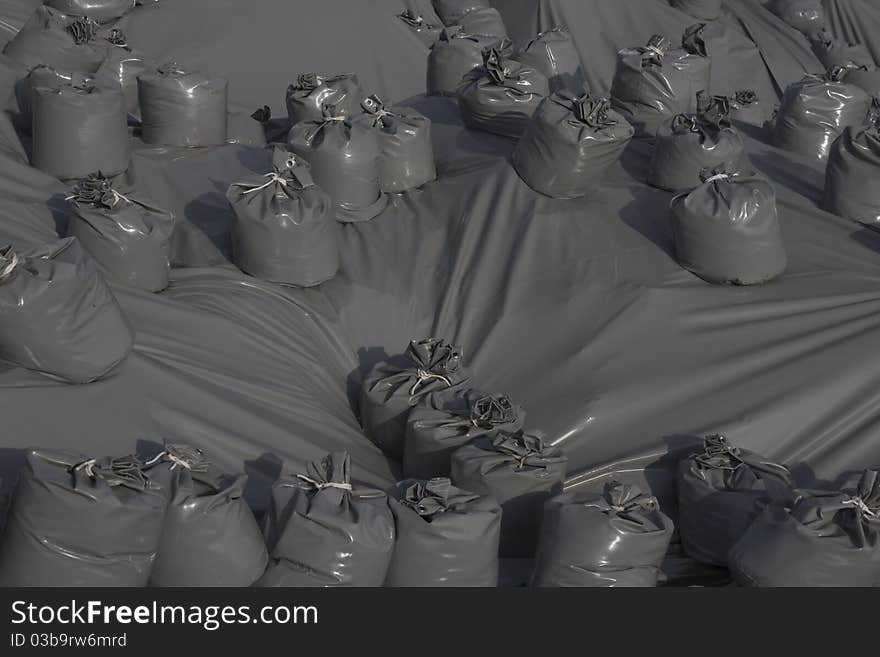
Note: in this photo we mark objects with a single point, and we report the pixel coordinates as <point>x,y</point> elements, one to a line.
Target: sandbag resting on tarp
<point>852,166</point>
<point>406,158</point>
<point>80,125</point>
<point>487,21</point>
<point>57,315</point>
<point>521,471</point>
<point>706,10</point>
<point>452,11</point>
<point>806,16</point>
<point>285,229</point>
<point>182,108</point>
<point>209,536</point>
<point>833,52</point>
<point>502,95</point>
<point>124,64</point>
<point>553,53</point>
<point>129,238</point>
<point>390,389</point>
<point>694,142</point>
<point>826,538</point>
<point>81,522</point>
<point>323,532</point>
<point>102,11</point>
<point>454,56</point>
<point>615,538</point>
<point>445,536</point>
<point>248,128</point>
<point>307,97</point>
<point>720,492</point>
<point>816,110</point>
<point>569,144</point>
<point>726,231</point>
<point>446,421</point>
<point>420,25</point>
<point>344,153</point>
<point>57,40</point>
<point>746,106</point>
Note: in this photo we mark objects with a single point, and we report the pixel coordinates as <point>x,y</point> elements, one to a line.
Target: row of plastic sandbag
<point>476,17</point>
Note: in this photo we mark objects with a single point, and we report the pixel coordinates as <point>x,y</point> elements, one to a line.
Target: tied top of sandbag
<point>290,174</point>
<point>513,76</point>
<point>594,113</point>
<point>434,497</point>
<point>692,40</point>
<point>262,114</point>
<point>433,359</point>
<point>417,21</point>
<point>493,410</point>
<point>712,117</point>
<point>745,97</point>
<point>83,30</point>
<point>856,513</point>
<point>653,53</point>
<point>126,471</point>
<point>740,469</point>
<point>523,450</point>
<point>117,38</point>
<point>171,69</point>
<point>625,500</point>
<point>182,457</point>
<point>311,81</point>
<point>374,106</point>
<point>95,189</point>
<point>331,472</point>
<point>8,262</point>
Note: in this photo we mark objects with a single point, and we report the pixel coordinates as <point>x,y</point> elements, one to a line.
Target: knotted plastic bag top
<point>8,262</point>
<point>493,411</point>
<point>83,30</point>
<point>523,450</point>
<point>654,52</point>
<point>291,176</point>
<point>333,472</point>
<point>712,118</point>
<point>855,513</point>
<point>434,497</point>
<point>503,72</point>
<point>745,97</point>
<point>311,81</point>
<point>592,113</point>
<point>416,21</point>
<point>96,190</point>
<point>727,467</point>
<point>374,106</point>
<point>125,471</point>
<point>433,359</point>
<point>627,502</point>
<point>692,40</point>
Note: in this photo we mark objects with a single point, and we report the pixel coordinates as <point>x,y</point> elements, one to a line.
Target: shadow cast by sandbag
<point>648,214</point>
<point>782,170</point>
<point>62,212</point>
<point>12,460</point>
<point>869,237</point>
<point>262,473</point>
<point>368,357</point>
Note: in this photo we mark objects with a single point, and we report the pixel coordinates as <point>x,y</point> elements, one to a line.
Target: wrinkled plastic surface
<point>57,315</point>
<point>67,528</point>
<point>521,471</point>
<point>454,56</point>
<point>854,161</point>
<point>447,420</point>
<point>616,538</point>
<point>569,144</point>
<point>835,52</point>
<point>124,64</point>
<point>707,10</point>
<point>181,108</point>
<point>452,11</point>
<point>553,53</point>
<point>102,11</point>
<point>866,79</point>
<point>427,31</point>
<point>324,533</point>
<point>445,536</point>
<point>307,97</point>
<point>484,22</point>
<point>806,16</point>
<point>746,106</point>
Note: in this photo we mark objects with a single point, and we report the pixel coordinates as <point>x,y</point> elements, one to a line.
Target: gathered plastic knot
<point>428,498</point>
<point>171,68</point>
<point>692,40</point>
<point>492,410</point>
<point>656,48</point>
<point>493,61</point>
<point>117,38</point>
<point>274,178</point>
<point>745,97</point>
<point>316,484</point>
<point>8,262</point>
<point>719,454</point>
<point>592,112</point>
<point>423,377</point>
<point>83,30</point>
<point>118,471</point>
<point>713,112</point>
<point>624,498</point>
<point>181,456</point>
<point>328,114</point>
<point>724,172</point>
<point>262,114</point>
<point>96,190</point>
<point>522,448</point>
<point>862,507</point>
<point>836,73</point>
<point>309,81</point>
<point>373,105</point>
<point>415,20</point>
<point>433,359</point>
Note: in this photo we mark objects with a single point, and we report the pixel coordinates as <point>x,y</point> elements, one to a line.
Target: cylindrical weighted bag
<point>484,21</point>
<point>344,153</point>
<point>721,490</point>
<point>406,159</point>
<point>454,55</point>
<point>179,108</point>
<point>57,315</point>
<point>130,239</point>
<point>746,106</point>
<point>519,470</point>
<point>854,160</point>
<point>806,16</point>
<point>553,53</point>
<point>427,32</point>
<point>833,52</point>
<point>502,95</point>
<point>102,11</point>
<point>390,390</point>
<point>308,96</point>
<point>569,144</point>
<point>617,538</point>
<point>79,127</point>
<point>452,11</point>
<point>815,112</point>
<point>124,64</point>
<point>706,10</point>
<point>826,538</point>
<point>54,39</point>
<point>81,522</point>
<point>324,532</point>
<point>210,536</point>
<point>448,420</point>
<point>285,230</point>
<point>445,536</point>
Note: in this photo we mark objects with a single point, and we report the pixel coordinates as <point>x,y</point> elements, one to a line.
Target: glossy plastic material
<point>421,26</point>
<point>826,538</point>
<point>102,11</point>
<point>865,78</point>
<point>57,315</point>
<point>721,490</point>
<point>806,16</point>
<point>569,144</point>
<point>81,522</point>
<point>445,536</point>
<point>746,106</point>
<point>521,471</point>
<point>854,161</point>
<point>129,238</point>
<point>124,64</point>
<point>307,97</point>
<point>706,10</point>
<point>392,388</point>
<point>210,536</point>
<point>285,229</point>
<point>79,127</point>
<point>484,22</point>
<point>834,52</point>
<point>245,127</point>
<point>323,532</point>
<point>502,95</point>
<point>553,53</point>
<point>452,11</point>
<point>182,108</point>
<point>617,538</point>
<point>446,421</point>
<point>452,58</point>
<point>815,112</point>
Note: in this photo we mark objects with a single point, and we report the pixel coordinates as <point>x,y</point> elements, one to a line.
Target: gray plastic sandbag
<point>502,95</point>
<point>616,538</point>
<point>834,52</point>
<point>747,107</point>
<point>445,536</point>
<point>182,108</point>
<point>452,11</point>
<point>421,26</point>
<point>569,144</point>
<point>553,53</point>
<point>57,315</point>
<point>81,522</point>
<point>854,160</point>
<point>484,21</point>
<point>693,142</point>
<point>324,532</point>
<point>101,11</point>
<point>706,10</point>
<point>721,490</point>
<point>307,97</point>
<point>285,229</point>
<point>447,420</point>
<point>815,112</point>
<point>727,231</point>
<point>210,536</point>
<point>391,389</point>
<point>129,238</point>
<point>806,16</point>
<point>247,128</point>
<point>453,56</point>
<point>826,538</point>
<point>80,126</point>
<point>865,78</point>
<point>406,159</point>
<point>54,39</point>
<point>522,472</point>
<point>124,64</point>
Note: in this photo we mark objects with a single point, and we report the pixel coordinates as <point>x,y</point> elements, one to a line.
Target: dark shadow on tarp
<point>641,214</point>
<point>11,463</point>
<point>785,171</point>
<point>262,473</point>
<point>368,357</point>
<point>61,213</point>
<point>867,236</point>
